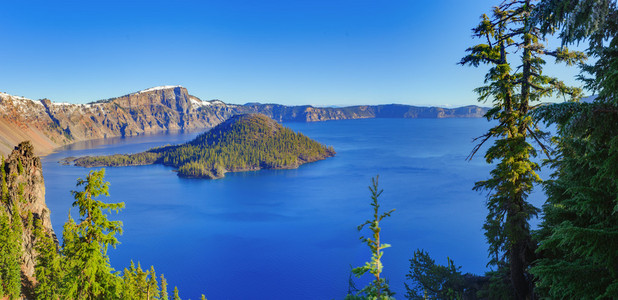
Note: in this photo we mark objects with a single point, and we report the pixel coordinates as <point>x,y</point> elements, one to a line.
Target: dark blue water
<point>291,234</point>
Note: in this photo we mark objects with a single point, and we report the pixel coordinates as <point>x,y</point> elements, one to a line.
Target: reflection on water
<point>165,136</point>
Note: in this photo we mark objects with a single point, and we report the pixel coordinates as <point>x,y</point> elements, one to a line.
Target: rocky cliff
<point>24,192</point>
<point>308,113</point>
<point>49,125</point>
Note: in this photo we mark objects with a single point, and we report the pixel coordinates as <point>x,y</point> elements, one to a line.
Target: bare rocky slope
<point>49,125</point>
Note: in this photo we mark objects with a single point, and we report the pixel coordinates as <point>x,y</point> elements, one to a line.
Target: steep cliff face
<point>26,195</point>
<point>49,125</point>
<point>24,119</point>
<point>168,108</point>
<point>307,113</point>
<point>148,111</point>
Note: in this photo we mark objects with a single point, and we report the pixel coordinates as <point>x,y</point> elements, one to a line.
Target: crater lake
<point>291,234</point>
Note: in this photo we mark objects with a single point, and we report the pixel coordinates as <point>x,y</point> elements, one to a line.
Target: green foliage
<point>378,288</point>
<point>594,21</point>
<point>4,191</point>
<point>139,284</point>
<point>119,160</point>
<point>513,90</point>
<point>176,296</point>
<point>153,291</point>
<point>499,285</point>
<point>20,167</point>
<point>431,281</point>
<point>81,269</point>
<point>245,142</point>
<point>88,271</point>
<point>20,192</point>
<point>164,295</point>
<point>29,220</point>
<point>579,233</point>
<point>48,269</point>
<point>10,254</point>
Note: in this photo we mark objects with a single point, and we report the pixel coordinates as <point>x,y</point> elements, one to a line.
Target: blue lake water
<point>291,234</point>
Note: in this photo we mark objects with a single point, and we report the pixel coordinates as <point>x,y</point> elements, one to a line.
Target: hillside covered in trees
<point>242,143</point>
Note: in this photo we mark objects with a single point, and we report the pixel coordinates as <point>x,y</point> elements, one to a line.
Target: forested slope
<point>242,143</point>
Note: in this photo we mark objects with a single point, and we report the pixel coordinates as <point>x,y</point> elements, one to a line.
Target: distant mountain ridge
<point>167,108</point>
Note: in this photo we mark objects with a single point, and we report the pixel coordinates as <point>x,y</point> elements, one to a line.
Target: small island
<point>246,142</point>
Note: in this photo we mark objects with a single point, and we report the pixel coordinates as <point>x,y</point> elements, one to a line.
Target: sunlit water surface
<point>291,234</point>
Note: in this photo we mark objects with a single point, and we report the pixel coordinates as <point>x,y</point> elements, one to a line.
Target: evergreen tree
<point>48,271</point>
<point>128,283</point>
<point>10,255</point>
<point>176,296</point>
<point>89,274</point>
<point>164,295</point>
<point>153,285</point>
<point>513,92</point>
<point>378,288</point>
<point>141,282</point>
<point>431,281</point>
<point>579,233</point>
<point>4,191</point>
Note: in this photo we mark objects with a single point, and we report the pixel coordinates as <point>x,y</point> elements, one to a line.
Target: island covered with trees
<point>246,142</point>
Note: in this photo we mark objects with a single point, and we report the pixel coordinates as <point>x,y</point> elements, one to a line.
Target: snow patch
<point>197,103</point>
<point>216,102</point>
<point>158,88</point>
<point>5,95</point>
<point>27,108</point>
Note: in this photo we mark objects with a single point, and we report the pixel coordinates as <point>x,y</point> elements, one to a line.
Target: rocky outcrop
<point>168,108</point>
<point>26,194</point>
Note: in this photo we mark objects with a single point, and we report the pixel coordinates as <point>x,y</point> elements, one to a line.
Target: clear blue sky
<point>321,52</point>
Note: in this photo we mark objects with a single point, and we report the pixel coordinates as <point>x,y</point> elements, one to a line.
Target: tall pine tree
<point>513,88</point>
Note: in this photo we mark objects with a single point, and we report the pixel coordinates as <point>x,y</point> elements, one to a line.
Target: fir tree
<point>176,296</point>
<point>431,281</point>
<point>378,288</point>
<point>579,232</point>
<point>4,191</point>
<point>164,295</point>
<point>513,91</point>
<point>89,274</point>
<point>128,283</point>
<point>153,285</point>
<point>10,255</point>
<point>48,271</point>
<point>141,282</point>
